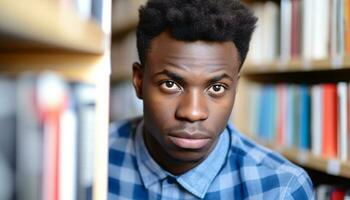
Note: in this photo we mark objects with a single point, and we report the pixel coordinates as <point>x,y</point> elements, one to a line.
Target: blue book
<point>304,118</point>
<point>272,100</point>
<point>290,130</point>
<point>263,113</point>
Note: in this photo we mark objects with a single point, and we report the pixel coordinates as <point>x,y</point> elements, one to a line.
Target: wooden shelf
<point>296,65</point>
<point>35,24</point>
<point>299,72</point>
<point>307,159</point>
<point>74,67</point>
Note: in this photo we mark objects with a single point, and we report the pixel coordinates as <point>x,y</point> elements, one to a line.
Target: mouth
<point>189,141</point>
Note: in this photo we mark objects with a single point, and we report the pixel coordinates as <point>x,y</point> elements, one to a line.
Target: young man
<point>191,53</point>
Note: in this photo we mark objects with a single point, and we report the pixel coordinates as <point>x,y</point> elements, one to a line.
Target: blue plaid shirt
<point>237,168</point>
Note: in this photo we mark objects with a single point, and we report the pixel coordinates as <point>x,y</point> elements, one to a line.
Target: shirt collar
<point>195,181</point>
<point>198,180</point>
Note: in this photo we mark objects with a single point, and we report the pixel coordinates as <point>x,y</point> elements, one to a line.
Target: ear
<point>137,79</point>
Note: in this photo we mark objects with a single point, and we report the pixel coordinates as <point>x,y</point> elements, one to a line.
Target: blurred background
<point>65,75</point>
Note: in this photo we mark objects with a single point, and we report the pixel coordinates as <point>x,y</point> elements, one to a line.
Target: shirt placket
<point>170,190</point>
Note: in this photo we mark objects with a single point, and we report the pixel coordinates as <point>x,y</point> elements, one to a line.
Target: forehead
<point>166,50</point>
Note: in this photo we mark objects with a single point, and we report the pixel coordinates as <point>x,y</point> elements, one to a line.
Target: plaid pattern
<point>248,171</point>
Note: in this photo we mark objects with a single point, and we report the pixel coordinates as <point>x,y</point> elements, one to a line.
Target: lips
<point>187,140</point>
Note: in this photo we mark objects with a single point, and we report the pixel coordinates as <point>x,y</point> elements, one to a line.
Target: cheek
<point>158,109</point>
<point>220,112</point>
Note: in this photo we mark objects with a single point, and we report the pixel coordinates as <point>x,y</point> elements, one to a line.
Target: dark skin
<point>188,90</point>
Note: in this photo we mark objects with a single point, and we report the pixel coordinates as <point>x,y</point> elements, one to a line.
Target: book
<point>85,99</point>
<point>337,194</point>
<point>342,120</point>
<point>290,124</point>
<point>316,119</point>
<point>307,30</point>
<point>52,101</point>
<point>347,195</point>
<point>330,118</point>
<point>281,114</point>
<point>323,192</point>
<point>286,30</point>
<point>295,28</point>
<point>7,137</point>
<point>304,117</point>
<point>321,29</point>
<point>29,143</point>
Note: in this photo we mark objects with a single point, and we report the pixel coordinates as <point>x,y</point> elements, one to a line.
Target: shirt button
<point>171,180</point>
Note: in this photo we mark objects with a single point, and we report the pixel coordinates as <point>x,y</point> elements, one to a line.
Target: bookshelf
<point>46,25</point>
<point>307,159</point>
<point>289,69</point>
<point>298,65</point>
<point>38,36</point>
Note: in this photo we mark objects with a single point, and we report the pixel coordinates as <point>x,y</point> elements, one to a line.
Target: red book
<point>281,114</point>
<point>338,194</point>
<point>330,119</point>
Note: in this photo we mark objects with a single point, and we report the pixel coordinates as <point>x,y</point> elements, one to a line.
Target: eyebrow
<point>171,75</point>
<point>220,77</point>
<point>178,78</point>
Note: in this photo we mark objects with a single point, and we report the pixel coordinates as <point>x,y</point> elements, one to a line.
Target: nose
<point>193,107</point>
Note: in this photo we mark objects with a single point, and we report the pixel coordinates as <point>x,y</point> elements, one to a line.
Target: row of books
<point>86,9</point>
<point>328,192</point>
<point>309,117</point>
<point>46,138</point>
<point>307,29</point>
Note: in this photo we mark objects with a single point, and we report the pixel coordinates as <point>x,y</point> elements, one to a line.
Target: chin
<point>188,156</point>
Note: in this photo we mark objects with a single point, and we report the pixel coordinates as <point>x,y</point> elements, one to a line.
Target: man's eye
<point>216,89</point>
<point>170,86</point>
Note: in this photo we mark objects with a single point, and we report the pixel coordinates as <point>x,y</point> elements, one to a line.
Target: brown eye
<point>170,86</point>
<point>216,90</point>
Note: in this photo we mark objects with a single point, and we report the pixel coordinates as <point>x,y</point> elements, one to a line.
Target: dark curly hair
<point>191,20</point>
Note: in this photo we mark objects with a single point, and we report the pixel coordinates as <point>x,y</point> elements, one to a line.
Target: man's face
<point>188,90</point>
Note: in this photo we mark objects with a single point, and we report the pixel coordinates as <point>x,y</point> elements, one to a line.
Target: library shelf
<point>319,71</point>
<point>296,65</point>
<point>35,24</point>
<point>73,67</point>
<point>305,158</point>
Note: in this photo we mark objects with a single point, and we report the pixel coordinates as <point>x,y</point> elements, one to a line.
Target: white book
<point>255,54</point>
<point>342,120</point>
<point>316,119</point>
<point>333,28</point>
<point>286,30</point>
<point>323,192</point>
<point>307,34</point>
<point>83,8</point>
<point>321,29</point>
<point>270,31</point>
<point>85,96</point>
<point>68,155</point>
<point>341,32</point>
